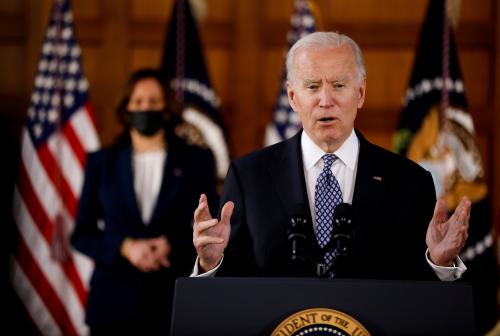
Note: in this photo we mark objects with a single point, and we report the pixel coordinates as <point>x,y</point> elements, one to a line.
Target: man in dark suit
<point>392,198</point>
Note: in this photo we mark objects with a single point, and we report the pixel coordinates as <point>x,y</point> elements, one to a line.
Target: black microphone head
<point>297,234</point>
<point>298,220</point>
<point>342,215</point>
<point>343,232</point>
<point>343,209</point>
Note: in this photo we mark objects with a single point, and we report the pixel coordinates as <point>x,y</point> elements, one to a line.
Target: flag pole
<point>445,64</point>
<point>180,51</point>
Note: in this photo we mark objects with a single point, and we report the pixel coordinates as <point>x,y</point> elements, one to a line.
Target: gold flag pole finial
<point>454,12</point>
<point>317,16</point>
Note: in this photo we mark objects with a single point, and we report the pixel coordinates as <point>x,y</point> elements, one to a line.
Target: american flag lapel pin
<point>377,178</point>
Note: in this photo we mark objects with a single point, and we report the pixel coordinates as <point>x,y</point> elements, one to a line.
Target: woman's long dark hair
<point>172,107</point>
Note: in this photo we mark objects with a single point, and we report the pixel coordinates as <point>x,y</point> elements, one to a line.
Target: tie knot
<point>329,159</point>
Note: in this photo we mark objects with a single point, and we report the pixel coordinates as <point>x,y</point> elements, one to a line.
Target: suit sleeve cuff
<point>447,273</point>
<point>211,273</point>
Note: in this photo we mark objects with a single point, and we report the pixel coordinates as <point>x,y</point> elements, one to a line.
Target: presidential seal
<point>320,322</point>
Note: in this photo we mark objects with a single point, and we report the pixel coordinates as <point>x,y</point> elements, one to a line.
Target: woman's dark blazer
<point>108,213</point>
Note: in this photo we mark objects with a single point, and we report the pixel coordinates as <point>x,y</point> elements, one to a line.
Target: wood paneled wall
<point>244,45</point>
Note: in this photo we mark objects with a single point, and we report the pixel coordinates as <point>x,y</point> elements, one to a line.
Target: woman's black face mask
<point>146,122</point>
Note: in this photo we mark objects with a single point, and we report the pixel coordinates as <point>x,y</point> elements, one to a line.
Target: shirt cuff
<point>211,273</point>
<point>447,273</point>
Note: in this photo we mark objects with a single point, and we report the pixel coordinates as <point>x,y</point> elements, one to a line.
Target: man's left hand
<point>446,236</point>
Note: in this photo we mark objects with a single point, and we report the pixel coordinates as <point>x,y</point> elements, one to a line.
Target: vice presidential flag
<point>184,67</point>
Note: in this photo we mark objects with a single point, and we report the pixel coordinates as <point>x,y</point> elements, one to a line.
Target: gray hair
<point>321,40</point>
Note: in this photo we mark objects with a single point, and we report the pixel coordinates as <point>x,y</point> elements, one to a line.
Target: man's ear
<point>291,94</point>
<point>361,93</point>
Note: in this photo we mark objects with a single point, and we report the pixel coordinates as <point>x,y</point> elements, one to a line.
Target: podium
<point>256,306</point>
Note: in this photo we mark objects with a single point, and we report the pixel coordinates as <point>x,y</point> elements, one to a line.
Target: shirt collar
<point>347,152</point>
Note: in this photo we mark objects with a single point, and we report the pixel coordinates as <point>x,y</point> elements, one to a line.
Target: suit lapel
<point>287,174</point>
<point>369,186</point>
<point>173,174</point>
<point>127,181</point>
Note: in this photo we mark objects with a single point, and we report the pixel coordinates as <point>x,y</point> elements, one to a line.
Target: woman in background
<point>135,213</point>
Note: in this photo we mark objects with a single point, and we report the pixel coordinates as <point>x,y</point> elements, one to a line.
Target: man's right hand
<point>210,236</point>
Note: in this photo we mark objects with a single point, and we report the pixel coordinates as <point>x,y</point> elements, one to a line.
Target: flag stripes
<point>83,125</point>
<point>37,277</point>
<point>48,276</point>
<point>57,179</point>
<point>44,227</point>
<point>33,303</point>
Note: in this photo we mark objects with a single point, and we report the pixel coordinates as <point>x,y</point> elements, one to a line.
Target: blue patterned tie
<point>326,197</point>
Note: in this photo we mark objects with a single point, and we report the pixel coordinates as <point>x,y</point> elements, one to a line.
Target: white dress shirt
<point>344,168</point>
<point>148,175</point>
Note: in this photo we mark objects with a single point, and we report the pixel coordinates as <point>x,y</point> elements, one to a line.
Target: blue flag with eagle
<point>437,131</point>
<point>183,65</point>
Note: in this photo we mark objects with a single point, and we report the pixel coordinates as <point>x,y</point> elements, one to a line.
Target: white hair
<point>322,40</point>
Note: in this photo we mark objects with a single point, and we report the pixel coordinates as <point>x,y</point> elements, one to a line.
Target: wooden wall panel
<point>86,10</point>
<point>217,10</point>
<point>11,7</point>
<point>247,124</point>
<point>476,71</point>
<point>477,11</point>
<point>277,10</point>
<point>388,72</point>
<point>90,57</point>
<point>145,57</point>
<point>12,56</point>
<point>219,69</point>
<point>381,138</point>
<point>372,10</point>
<point>272,70</point>
<point>150,9</point>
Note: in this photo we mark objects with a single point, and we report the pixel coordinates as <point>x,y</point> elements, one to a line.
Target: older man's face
<point>327,93</point>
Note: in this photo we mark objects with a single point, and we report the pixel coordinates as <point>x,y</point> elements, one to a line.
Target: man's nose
<point>326,98</point>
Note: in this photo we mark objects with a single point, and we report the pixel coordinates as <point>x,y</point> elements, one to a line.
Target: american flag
<point>51,279</point>
<point>285,121</point>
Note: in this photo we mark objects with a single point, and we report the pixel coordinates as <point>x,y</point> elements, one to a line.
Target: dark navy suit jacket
<point>108,213</point>
<point>393,202</point>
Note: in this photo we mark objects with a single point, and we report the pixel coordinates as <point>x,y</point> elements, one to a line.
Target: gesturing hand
<point>446,237</point>
<point>210,236</point>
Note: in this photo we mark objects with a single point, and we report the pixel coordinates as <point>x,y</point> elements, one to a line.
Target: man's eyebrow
<point>336,80</point>
<point>311,81</point>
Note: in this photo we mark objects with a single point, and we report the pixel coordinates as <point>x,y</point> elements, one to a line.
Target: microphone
<point>341,240</point>
<point>342,233</point>
<point>297,239</point>
<point>300,261</point>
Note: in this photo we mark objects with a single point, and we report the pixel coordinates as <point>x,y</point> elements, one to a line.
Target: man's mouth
<point>327,119</point>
